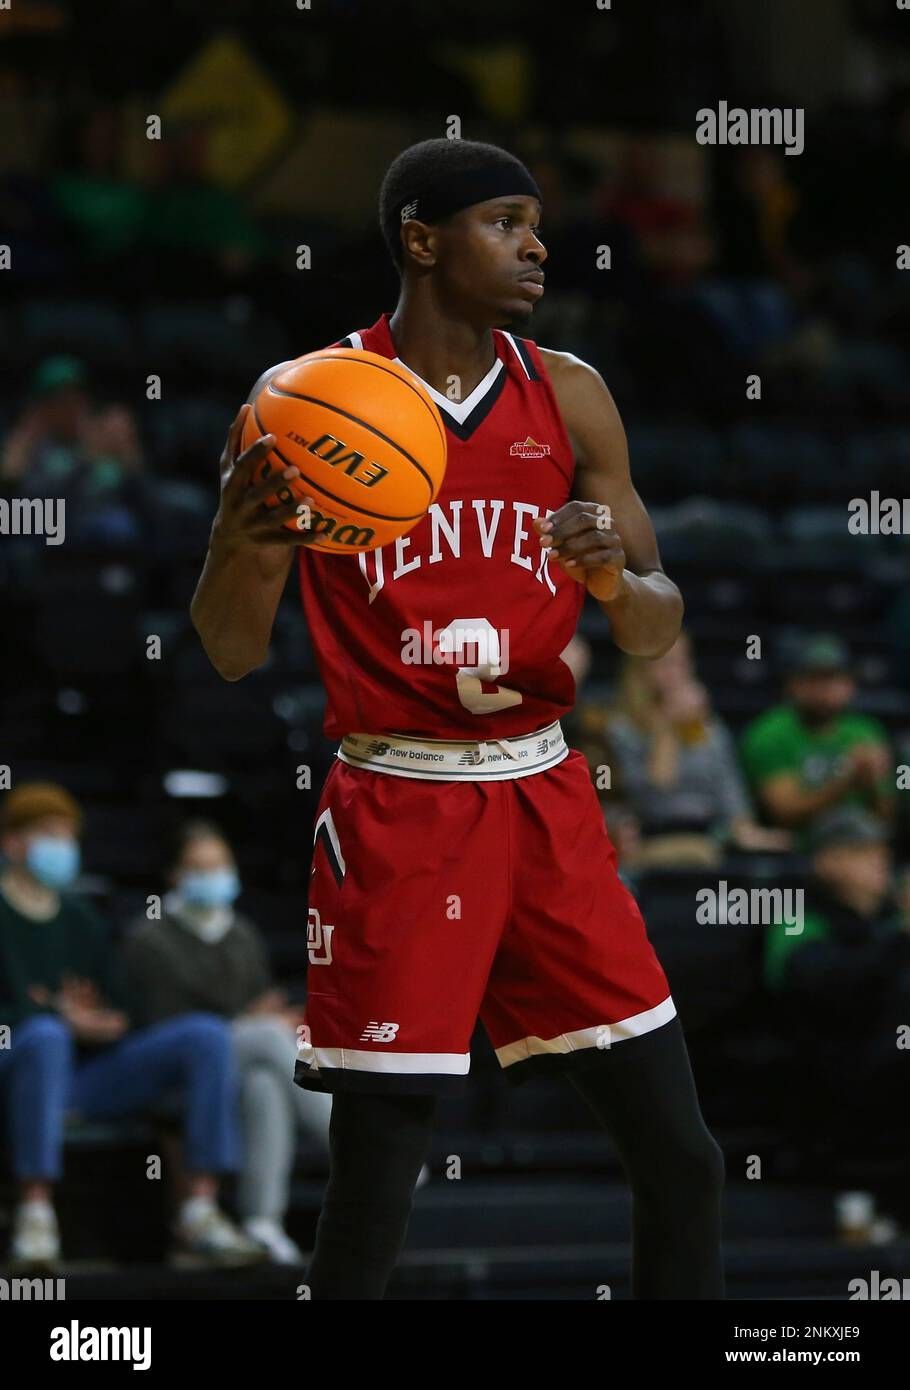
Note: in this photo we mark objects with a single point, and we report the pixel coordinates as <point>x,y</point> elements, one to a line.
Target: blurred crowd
<point>783,268</point>
<point>764,265</point>
<point>179,1013</point>
<point>183,1015</point>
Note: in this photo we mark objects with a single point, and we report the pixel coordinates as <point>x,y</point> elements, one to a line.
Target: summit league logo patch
<point>529,449</point>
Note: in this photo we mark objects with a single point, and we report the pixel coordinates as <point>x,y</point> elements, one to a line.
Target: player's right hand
<point>242,518</point>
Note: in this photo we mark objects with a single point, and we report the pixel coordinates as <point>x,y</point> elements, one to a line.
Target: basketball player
<point>461,865</point>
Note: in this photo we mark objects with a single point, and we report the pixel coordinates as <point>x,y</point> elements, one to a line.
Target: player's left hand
<point>581,538</point>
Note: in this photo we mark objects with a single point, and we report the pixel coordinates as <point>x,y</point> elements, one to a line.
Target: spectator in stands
<point>844,979</point>
<point>42,449</point>
<point>756,208</point>
<point>69,1048</point>
<point>585,729</point>
<point>104,209</point>
<point>203,954</point>
<point>669,230</point>
<point>812,753</point>
<point>113,495</point>
<point>191,220</point>
<point>674,767</point>
<point>89,455</point>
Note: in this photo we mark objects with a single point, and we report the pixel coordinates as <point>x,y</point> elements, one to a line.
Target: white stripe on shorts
<point>399,1063</point>
<point>602,1035</point>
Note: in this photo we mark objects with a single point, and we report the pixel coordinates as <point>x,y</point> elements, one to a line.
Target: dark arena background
<point>188,195</point>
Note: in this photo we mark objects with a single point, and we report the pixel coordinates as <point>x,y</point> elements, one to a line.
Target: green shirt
<point>778,741</point>
<point>107,212</point>
<point>868,953</point>
<point>75,942</point>
<point>780,945</point>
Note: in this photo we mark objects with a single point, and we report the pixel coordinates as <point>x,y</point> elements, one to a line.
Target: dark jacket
<point>168,970</point>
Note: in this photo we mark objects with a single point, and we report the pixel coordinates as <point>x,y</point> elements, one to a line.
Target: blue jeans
<point>42,1081</point>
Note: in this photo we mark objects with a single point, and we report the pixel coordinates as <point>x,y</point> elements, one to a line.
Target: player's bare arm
<point>250,553</point>
<point>618,562</point>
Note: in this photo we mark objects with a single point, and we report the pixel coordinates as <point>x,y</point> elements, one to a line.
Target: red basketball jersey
<point>456,630</point>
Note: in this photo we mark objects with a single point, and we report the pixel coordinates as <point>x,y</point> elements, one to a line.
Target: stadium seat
<point>702,531</point>
<point>713,969</point>
<point>75,639</point>
<point>774,463</point>
<point>670,462</point>
<point>98,332</point>
<point>212,341</point>
<point>187,434</point>
<point>216,724</point>
<point>126,841</point>
<point>818,535</point>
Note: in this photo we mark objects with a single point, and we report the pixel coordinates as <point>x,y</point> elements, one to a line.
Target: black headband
<point>467,186</point>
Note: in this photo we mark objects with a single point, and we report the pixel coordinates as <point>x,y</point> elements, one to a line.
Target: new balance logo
<point>378,748</point>
<point>543,747</point>
<point>380,1032</point>
<point>409,210</point>
<point>472,758</point>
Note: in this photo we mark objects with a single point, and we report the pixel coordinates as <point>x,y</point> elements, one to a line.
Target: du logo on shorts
<point>318,939</point>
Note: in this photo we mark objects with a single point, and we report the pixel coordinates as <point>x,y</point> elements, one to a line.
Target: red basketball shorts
<point>435,903</point>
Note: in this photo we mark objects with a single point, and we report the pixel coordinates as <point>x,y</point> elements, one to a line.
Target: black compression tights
<point>644,1096</point>
<point>378,1144</point>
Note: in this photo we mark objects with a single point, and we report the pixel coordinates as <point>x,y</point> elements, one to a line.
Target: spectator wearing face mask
<point>203,954</point>
<point>71,1050</point>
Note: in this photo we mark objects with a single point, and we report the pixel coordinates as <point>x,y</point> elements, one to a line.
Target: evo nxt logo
<point>333,451</point>
<point>336,453</point>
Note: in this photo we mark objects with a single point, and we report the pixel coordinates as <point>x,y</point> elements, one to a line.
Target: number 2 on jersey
<point>480,634</point>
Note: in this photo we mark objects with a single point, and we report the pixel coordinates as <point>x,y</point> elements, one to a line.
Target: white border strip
<point>582,1038</point>
<point>459,410</point>
<point>398,1063</point>
<point>521,361</point>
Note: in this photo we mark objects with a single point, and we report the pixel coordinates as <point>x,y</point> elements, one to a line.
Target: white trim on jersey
<point>399,1063</point>
<point>601,1035</point>
<point>460,410</point>
<point>511,342</point>
<point>356,341</point>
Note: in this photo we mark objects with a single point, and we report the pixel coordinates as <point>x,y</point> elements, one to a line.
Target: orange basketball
<point>368,441</point>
